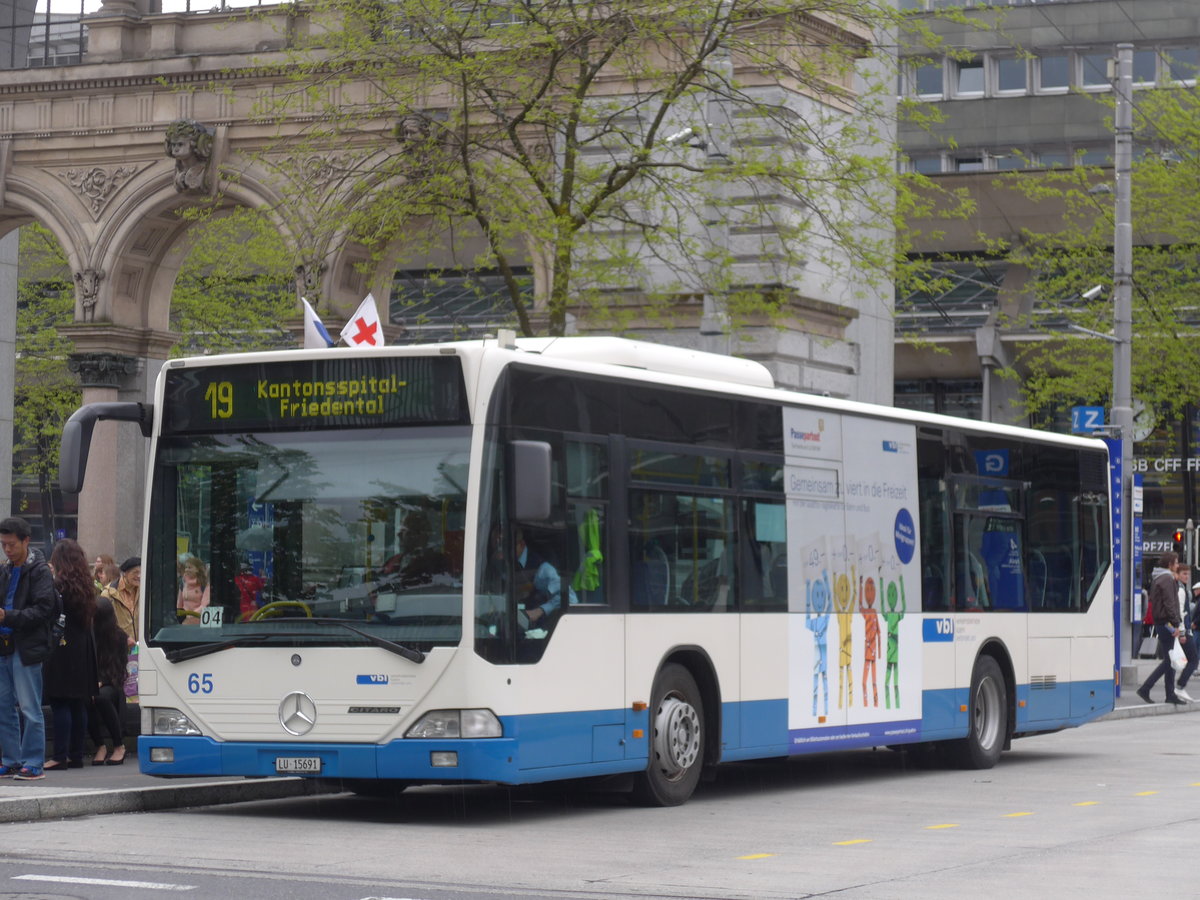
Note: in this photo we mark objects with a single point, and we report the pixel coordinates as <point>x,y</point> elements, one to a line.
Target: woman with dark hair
<point>69,676</point>
<point>107,711</point>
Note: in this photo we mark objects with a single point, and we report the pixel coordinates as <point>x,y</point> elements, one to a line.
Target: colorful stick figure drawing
<point>866,606</point>
<point>817,621</point>
<point>892,617</point>
<point>843,606</point>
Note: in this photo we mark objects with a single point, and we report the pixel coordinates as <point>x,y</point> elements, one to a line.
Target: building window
<point>1182,63</point>
<point>929,80</point>
<point>1093,71</point>
<point>968,164</point>
<point>1054,159</point>
<point>1007,162</point>
<point>1145,66</point>
<point>1012,75</point>
<point>1054,73</point>
<point>962,398</point>
<point>930,164</point>
<point>1093,156</point>
<point>968,80</point>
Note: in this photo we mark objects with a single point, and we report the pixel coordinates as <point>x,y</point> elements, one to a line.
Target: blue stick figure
<point>817,621</point>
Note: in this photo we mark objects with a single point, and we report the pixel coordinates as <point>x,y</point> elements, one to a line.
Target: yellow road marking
<point>1087,803</point>
<point>1145,793</point>
<point>855,841</point>
<point>1016,815</point>
<point>935,827</point>
<point>756,856</point>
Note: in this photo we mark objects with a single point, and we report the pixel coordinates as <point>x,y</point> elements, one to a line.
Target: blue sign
<point>905,532</point>
<point>992,462</point>
<point>1086,419</point>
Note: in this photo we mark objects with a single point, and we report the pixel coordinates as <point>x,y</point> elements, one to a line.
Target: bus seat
<point>650,577</point>
<point>1037,579</point>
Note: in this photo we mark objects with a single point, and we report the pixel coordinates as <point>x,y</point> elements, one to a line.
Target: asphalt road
<point>1082,813</point>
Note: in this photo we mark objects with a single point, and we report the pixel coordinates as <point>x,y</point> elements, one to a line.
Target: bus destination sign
<point>346,392</point>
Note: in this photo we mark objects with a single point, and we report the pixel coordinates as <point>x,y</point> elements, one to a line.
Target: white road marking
<point>144,885</point>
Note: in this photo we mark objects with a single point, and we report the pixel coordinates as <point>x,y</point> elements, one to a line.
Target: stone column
<point>103,502</point>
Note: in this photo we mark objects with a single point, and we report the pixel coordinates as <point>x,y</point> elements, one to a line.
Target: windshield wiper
<point>245,640</point>
<point>391,646</point>
<point>197,650</point>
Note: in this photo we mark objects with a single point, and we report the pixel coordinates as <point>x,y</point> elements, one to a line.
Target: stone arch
<point>136,247</point>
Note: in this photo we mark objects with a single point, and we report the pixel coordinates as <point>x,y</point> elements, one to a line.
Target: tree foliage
<point>649,150</point>
<point>46,391</point>
<point>1065,365</point>
<point>235,285</point>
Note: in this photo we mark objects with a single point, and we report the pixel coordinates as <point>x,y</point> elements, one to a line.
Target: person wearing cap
<point>124,597</point>
<point>29,606</point>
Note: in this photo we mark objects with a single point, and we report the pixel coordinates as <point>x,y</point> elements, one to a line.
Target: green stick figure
<point>892,617</point>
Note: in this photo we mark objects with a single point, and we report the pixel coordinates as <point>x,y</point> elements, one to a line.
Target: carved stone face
<point>88,283</point>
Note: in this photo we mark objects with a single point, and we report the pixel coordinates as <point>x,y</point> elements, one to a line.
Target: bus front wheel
<point>676,740</point>
<point>988,715</point>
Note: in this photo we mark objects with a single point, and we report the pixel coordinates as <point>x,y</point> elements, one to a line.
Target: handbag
<point>1177,656</point>
<point>131,673</point>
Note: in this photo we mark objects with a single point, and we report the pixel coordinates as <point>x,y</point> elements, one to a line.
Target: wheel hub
<point>676,737</point>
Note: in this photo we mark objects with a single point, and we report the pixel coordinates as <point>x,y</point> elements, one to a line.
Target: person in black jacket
<point>69,677</point>
<point>29,606</point>
<point>1164,604</point>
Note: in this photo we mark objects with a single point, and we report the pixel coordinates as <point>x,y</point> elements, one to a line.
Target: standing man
<point>27,589</point>
<point>1164,605</point>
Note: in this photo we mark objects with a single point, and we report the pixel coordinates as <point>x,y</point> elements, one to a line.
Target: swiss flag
<point>364,330</point>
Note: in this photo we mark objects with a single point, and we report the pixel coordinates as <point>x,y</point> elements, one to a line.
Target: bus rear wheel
<point>988,714</point>
<point>676,740</point>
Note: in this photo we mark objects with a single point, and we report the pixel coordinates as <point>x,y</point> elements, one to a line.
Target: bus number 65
<point>200,684</point>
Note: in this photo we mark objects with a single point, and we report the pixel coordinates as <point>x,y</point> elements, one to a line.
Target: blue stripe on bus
<point>581,744</point>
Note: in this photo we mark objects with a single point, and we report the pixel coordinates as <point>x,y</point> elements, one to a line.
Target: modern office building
<point>1016,87</point>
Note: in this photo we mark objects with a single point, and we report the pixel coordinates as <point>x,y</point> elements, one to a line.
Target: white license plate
<point>307,764</point>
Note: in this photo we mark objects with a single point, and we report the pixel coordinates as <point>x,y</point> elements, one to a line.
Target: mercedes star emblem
<point>297,713</point>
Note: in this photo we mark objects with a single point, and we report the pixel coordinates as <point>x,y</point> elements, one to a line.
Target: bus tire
<point>987,714</point>
<point>676,736</point>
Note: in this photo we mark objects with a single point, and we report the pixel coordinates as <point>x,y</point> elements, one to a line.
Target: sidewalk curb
<point>1140,710</point>
<point>153,798</point>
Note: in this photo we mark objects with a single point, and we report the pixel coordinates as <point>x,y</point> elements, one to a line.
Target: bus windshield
<point>280,537</point>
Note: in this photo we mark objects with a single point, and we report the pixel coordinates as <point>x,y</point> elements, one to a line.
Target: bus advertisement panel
<point>855,656</point>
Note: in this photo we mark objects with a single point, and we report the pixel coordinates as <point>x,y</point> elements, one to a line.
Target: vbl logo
<point>937,631</point>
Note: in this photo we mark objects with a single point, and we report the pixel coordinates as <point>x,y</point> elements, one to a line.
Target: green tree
<point>1065,364</point>
<point>46,391</point>
<point>651,146</point>
<point>235,284</point>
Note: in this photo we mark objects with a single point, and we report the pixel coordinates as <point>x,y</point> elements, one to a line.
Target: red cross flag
<point>364,330</point>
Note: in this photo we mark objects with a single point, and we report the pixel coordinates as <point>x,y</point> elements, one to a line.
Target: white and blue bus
<point>517,561</point>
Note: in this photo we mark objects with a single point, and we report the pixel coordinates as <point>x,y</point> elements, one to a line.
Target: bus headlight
<point>457,723</point>
<point>171,721</point>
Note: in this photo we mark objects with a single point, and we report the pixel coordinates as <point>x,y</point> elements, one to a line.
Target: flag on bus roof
<point>364,331</point>
<point>315,334</point>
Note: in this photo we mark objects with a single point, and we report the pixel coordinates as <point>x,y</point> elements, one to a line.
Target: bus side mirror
<point>77,437</point>
<point>530,480</point>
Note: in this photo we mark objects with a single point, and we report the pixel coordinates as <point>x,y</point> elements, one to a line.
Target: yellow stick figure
<point>843,607</point>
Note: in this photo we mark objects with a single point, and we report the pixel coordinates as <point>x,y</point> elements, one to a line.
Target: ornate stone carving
<point>102,369</point>
<point>87,286</point>
<point>98,185</point>
<point>308,280</point>
<point>190,144</point>
<point>322,170</point>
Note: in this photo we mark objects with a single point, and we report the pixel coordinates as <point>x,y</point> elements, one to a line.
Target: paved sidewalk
<point>96,790</point>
